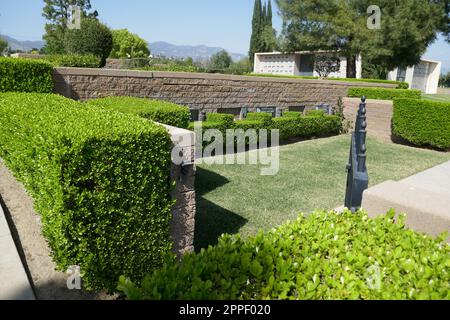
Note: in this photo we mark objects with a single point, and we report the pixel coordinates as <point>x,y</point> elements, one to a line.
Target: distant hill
<point>23,45</point>
<point>201,52</point>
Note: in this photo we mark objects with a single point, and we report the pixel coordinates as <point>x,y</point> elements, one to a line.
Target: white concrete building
<point>423,76</point>
<point>297,64</point>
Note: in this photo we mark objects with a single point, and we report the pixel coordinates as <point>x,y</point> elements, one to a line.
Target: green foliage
<point>306,127</point>
<point>220,61</point>
<point>324,256</point>
<point>408,27</point>
<point>128,45</point>
<point>226,119</point>
<point>93,38</point>
<point>99,180</point>
<point>384,93</point>
<point>444,80</point>
<point>3,45</point>
<point>260,116</point>
<point>74,60</point>
<point>315,113</point>
<point>423,123</point>
<point>25,75</point>
<point>324,64</point>
<point>263,38</point>
<point>57,14</point>
<point>156,110</point>
<point>291,114</point>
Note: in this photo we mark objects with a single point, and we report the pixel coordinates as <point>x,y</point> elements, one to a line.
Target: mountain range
<point>160,48</point>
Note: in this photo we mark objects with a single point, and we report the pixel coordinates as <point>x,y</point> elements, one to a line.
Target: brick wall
<point>209,92</point>
<point>379,116</point>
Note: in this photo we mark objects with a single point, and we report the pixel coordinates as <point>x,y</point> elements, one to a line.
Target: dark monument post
<point>358,178</point>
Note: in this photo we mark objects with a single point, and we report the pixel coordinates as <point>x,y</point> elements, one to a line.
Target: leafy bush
<point>324,256</point>
<point>315,113</point>
<point>226,119</point>
<point>400,84</point>
<point>100,181</point>
<point>128,45</point>
<point>422,122</point>
<point>93,38</point>
<point>74,60</point>
<point>259,116</point>
<point>306,127</point>
<point>292,114</point>
<point>384,94</point>
<point>25,75</point>
<point>156,110</point>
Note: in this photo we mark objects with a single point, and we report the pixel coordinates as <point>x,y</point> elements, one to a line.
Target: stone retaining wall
<point>199,91</point>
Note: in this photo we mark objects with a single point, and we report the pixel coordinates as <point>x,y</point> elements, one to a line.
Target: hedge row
<point>324,256</point>
<point>156,110</point>
<point>384,93</point>
<point>24,75</point>
<point>74,60</point>
<point>422,122</point>
<point>400,84</point>
<point>100,181</point>
<point>291,124</point>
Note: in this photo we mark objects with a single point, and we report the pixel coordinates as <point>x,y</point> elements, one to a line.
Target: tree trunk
<point>351,66</point>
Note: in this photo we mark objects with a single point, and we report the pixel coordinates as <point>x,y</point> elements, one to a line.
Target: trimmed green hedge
<point>156,110</point>
<point>74,60</point>
<point>422,122</point>
<point>324,256</point>
<point>227,119</point>
<point>383,93</point>
<point>308,126</point>
<point>100,181</point>
<point>315,113</point>
<point>292,114</point>
<point>23,75</point>
<point>259,116</point>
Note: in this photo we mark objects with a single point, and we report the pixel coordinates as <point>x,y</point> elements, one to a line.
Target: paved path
<point>14,284</point>
<point>424,197</point>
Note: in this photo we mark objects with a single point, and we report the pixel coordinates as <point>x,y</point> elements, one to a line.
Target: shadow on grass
<point>212,220</point>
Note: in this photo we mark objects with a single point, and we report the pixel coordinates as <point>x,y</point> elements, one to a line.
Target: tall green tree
<point>220,60</point>
<point>3,45</point>
<point>408,27</point>
<point>263,37</point>
<point>57,13</point>
<point>256,30</point>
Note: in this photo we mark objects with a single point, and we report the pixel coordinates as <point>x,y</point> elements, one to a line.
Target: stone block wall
<point>209,92</point>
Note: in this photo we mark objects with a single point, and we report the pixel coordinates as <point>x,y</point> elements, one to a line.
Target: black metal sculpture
<point>358,178</point>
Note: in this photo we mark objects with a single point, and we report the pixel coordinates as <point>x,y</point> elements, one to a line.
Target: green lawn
<point>437,97</point>
<point>236,198</point>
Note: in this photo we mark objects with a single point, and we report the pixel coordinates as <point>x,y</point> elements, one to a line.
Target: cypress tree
<point>269,14</point>
<point>257,28</point>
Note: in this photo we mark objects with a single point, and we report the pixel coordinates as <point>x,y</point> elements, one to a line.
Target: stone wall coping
<point>206,76</point>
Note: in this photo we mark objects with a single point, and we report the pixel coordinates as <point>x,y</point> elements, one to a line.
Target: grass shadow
<point>212,220</point>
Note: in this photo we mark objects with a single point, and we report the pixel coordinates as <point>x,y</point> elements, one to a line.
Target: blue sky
<point>225,24</point>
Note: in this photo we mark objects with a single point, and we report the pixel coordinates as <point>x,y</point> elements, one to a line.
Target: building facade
<point>423,76</point>
<point>297,64</point>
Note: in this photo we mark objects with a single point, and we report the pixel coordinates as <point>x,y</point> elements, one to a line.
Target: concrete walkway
<point>424,197</point>
<point>14,284</point>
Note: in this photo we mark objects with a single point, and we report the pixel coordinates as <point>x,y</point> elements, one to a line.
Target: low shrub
<point>308,126</point>
<point>227,119</point>
<point>25,75</point>
<point>100,181</point>
<point>383,93</point>
<point>155,110</point>
<point>326,255</point>
<point>259,116</point>
<point>423,123</point>
<point>291,114</point>
<point>315,113</point>
<point>74,60</point>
